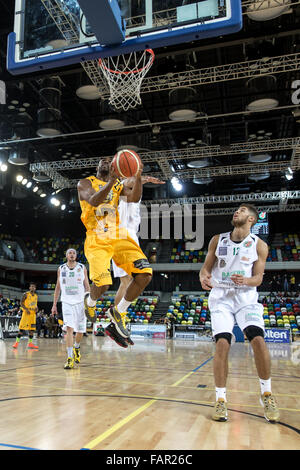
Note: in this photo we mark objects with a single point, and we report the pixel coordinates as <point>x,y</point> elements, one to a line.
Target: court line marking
<point>292,428</point>
<point>120,424</point>
<point>88,379</point>
<point>17,447</point>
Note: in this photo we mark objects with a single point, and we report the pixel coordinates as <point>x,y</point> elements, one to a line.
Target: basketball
<point>126,163</point>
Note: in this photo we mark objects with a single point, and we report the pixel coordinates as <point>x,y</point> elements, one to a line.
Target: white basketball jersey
<point>130,216</point>
<point>234,258</point>
<point>71,283</point>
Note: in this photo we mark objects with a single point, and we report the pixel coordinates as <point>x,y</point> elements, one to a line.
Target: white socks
<point>70,352</point>
<point>123,305</point>
<point>90,302</point>
<point>221,393</point>
<point>265,386</point>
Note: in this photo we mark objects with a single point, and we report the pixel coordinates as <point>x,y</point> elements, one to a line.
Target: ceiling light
<point>259,176</point>
<point>18,157</point>
<point>259,158</point>
<point>55,201</point>
<point>266,10</point>
<point>182,115</point>
<point>198,163</point>
<point>29,184</point>
<point>40,178</point>
<point>24,181</point>
<point>35,189</point>
<point>43,195</point>
<point>88,92</point>
<point>111,124</point>
<point>176,184</point>
<point>205,180</point>
<point>3,167</point>
<point>19,178</point>
<point>289,174</point>
<point>63,206</point>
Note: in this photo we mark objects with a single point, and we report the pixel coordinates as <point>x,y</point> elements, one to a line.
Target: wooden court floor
<point>156,395</point>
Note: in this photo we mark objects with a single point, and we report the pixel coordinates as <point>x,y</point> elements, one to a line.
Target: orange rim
<point>101,64</point>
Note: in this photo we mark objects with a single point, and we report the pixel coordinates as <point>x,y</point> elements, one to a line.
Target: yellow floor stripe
<point>118,425</point>
<point>182,379</point>
<point>126,420</point>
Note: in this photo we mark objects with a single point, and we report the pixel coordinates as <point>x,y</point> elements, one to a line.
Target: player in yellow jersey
<point>28,319</point>
<point>106,240</point>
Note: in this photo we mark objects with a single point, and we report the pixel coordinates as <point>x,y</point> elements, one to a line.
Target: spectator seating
<point>52,250</point>
<point>282,315</point>
<point>181,255</point>
<point>139,311</point>
<point>194,311</point>
<point>284,247</point>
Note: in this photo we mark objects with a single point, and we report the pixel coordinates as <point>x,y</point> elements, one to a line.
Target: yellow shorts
<point>28,321</point>
<point>126,253</point>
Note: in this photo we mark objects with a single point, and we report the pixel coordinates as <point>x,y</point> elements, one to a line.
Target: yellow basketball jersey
<point>105,217</point>
<point>31,301</point>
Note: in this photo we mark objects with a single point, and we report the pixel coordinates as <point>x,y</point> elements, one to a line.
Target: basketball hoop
<point>124,74</point>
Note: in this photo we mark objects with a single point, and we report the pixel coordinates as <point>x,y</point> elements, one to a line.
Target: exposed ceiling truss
<point>52,169</point>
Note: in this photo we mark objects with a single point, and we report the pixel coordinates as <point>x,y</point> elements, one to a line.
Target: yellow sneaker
<point>268,402</point>
<point>90,312</point>
<point>69,364</point>
<point>77,355</point>
<point>119,321</point>
<point>220,410</point>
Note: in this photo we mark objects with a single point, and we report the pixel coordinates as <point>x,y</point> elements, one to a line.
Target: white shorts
<point>230,306</point>
<point>119,272</point>
<point>74,317</point>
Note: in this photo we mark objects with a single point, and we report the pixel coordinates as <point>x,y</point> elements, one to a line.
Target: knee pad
<point>253,331</point>
<point>227,336</point>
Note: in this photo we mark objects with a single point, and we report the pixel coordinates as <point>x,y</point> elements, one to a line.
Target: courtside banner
<point>10,326</point>
<point>277,335</point>
<point>148,330</point>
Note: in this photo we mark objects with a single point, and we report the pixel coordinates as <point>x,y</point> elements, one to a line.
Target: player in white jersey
<point>72,283</point>
<point>233,268</point>
<point>130,218</point>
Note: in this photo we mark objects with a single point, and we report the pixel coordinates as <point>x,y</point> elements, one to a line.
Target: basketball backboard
<point>54,33</point>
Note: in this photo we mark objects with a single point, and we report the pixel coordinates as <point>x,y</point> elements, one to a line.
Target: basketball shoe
<point>220,410</point>
<point>90,312</point>
<point>77,355</point>
<point>111,331</point>
<point>119,321</point>
<point>269,404</point>
<point>69,364</point>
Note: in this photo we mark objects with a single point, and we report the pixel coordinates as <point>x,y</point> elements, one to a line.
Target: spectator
<point>41,323</point>
<point>285,283</point>
<point>274,284</point>
<point>52,326</point>
<point>292,282</point>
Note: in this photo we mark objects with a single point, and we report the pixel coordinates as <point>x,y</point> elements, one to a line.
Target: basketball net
<point>124,75</point>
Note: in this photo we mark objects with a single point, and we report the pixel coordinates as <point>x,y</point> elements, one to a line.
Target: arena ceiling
<point>220,120</point>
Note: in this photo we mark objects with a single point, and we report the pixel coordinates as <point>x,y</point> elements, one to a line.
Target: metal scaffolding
<point>164,158</point>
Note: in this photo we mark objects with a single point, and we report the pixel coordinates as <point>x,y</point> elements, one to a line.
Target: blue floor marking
<point>17,447</point>
<point>203,363</point>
